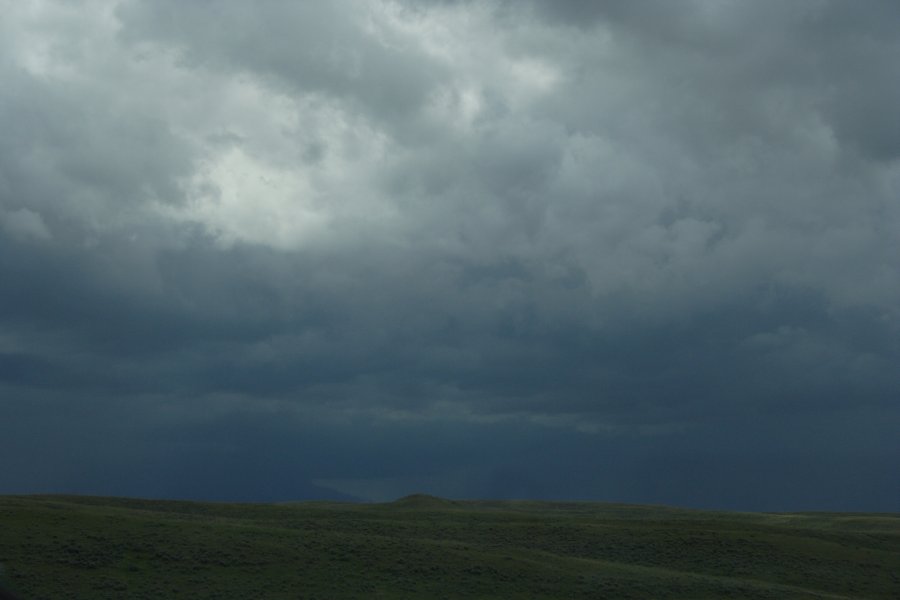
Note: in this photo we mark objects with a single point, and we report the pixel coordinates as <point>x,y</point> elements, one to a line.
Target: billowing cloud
<point>640,224</point>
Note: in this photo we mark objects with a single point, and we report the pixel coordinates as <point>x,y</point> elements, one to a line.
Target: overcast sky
<point>639,251</point>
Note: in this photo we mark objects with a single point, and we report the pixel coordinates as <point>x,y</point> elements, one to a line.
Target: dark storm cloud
<point>336,239</point>
<point>841,56</point>
<point>307,46</point>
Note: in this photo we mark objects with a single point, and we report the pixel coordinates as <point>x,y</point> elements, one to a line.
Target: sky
<point>630,251</point>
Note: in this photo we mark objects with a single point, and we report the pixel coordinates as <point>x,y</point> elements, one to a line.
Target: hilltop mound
<point>423,501</point>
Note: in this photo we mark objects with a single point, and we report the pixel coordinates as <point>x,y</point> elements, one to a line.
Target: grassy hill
<point>425,547</point>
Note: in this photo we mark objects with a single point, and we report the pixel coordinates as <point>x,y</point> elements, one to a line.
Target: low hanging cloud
<point>639,219</point>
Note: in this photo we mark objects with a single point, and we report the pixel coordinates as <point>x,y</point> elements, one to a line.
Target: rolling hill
<point>55,547</point>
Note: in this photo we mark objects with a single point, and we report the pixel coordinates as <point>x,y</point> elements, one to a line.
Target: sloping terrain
<point>426,547</point>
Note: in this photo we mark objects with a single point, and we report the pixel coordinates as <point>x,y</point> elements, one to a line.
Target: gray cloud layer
<point>669,230</point>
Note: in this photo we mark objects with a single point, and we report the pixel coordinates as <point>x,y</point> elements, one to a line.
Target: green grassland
<point>54,547</point>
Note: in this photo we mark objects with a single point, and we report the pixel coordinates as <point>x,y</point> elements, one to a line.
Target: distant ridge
<point>423,501</point>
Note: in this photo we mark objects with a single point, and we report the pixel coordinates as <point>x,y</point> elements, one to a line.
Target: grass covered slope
<point>425,547</point>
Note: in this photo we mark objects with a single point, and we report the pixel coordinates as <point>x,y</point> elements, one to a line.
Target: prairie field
<point>54,547</point>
